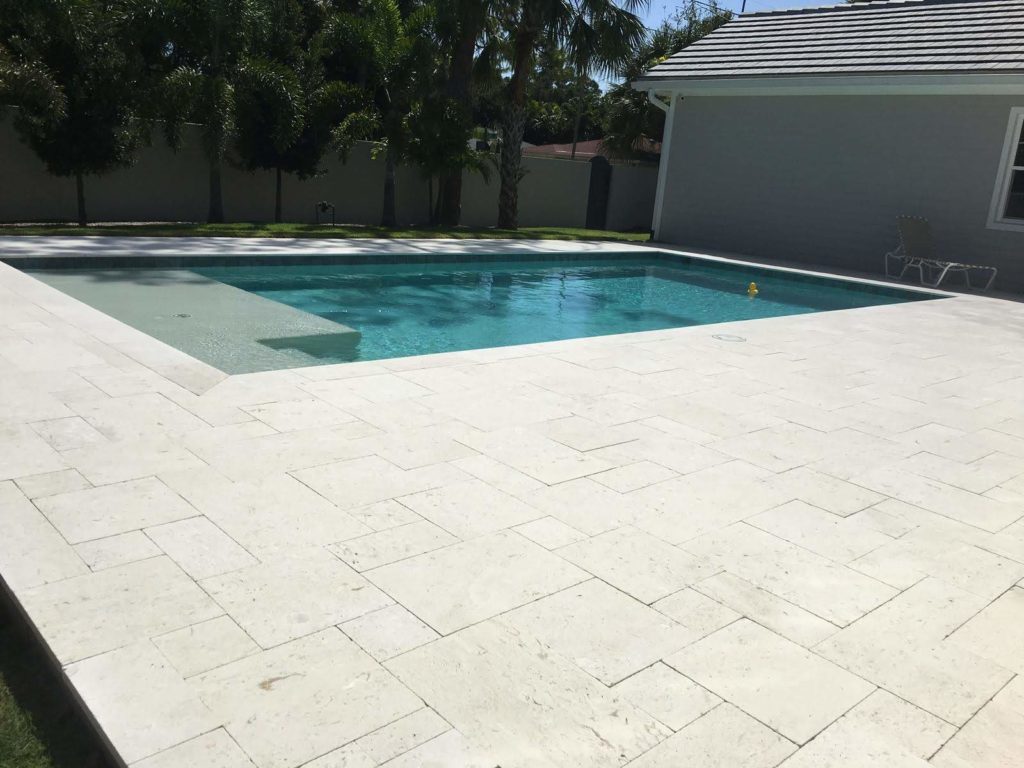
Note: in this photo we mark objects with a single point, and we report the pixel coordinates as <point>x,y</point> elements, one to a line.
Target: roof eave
<point>896,83</point>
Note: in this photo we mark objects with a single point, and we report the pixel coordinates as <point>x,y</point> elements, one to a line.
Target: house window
<point>1007,211</point>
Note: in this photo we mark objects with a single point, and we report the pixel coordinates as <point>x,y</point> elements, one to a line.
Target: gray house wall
<point>821,179</point>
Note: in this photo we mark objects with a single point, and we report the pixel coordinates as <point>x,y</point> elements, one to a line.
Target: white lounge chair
<point>916,251</point>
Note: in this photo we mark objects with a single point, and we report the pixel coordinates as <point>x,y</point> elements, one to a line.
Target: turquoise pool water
<point>413,309</point>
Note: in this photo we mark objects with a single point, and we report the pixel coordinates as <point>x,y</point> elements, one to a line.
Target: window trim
<point>996,215</point>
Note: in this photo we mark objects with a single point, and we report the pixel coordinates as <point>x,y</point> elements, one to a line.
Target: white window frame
<point>996,217</point>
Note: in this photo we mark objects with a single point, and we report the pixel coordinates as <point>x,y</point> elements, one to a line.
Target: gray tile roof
<point>894,37</point>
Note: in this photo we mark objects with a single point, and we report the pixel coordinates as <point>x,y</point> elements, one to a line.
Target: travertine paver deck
<point>662,549</point>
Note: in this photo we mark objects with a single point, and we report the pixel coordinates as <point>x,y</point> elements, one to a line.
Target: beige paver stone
<point>696,611</point>
<point>776,448</point>
<point>633,477</point>
<point>884,717</point>
<point>766,609</point>
<point>52,483</point>
<point>585,435</point>
<point>672,698</point>
<point>831,591</point>
<point>678,454</point>
<point>67,433</point>
<point>470,508</point>
<point>23,452</point>
<point>405,734</point>
<point>205,646</point>
<point>358,482</point>
<point>523,705</point>
<point>294,594</point>
<point>837,538</point>
<point>376,549</point>
<point>131,459</point>
<point>95,513</point>
<point>136,417</point>
<point>585,505</point>
<point>415,448</point>
<point>941,498</point>
<point>289,415</point>
<point>535,455</point>
<point>465,583</point>
<point>994,738</point>
<point>140,702</point>
<point>601,630</point>
<point>267,517</point>
<point>997,632</point>
<point>98,612</point>
<point>900,647</point>
<point>977,476</point>
<point>200,548</point>
<point>32,552</point>
<point>723,738</point>
<point>120,549</point>
<point>637,563</point>
<point>499,475</point>
<point>549,532</point>
<point>775,680</point>
<point>215,749</point>
<point>929,551</point>
<point>388,632</point>
<point>447,750</point>
<point>383,515</point>
<point>705,501</point>
<point>303,699</point>
<point>349,756</point>
<point>824,491</point>
<point>255,458</point>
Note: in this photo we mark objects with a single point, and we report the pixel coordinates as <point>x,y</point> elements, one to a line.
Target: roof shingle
<point>894,37</point>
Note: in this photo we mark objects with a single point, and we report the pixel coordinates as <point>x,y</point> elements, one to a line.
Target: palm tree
<point>597,35</point>
<point>210,41</point>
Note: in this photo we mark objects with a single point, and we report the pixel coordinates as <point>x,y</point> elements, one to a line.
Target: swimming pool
<point>415,309</point>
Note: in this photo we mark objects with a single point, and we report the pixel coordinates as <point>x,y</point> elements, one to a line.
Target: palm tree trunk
<point>459,88</point>
<point>80,194</point>
<point>513,123</point>
<point>388,218</point>
<point>215,213</point>
<point>277,197</point>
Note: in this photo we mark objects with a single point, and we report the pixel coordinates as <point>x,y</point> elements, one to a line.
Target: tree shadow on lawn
<point>40,724</point>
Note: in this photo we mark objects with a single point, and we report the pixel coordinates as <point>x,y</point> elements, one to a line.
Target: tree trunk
<point>215,213</point>
<point>388,218</point>
<point>80,194</point>
<point>513,123</point>
<point>576,131</point>
<point>430,199</point>
<point>459,88</point>
<point>277,197</point>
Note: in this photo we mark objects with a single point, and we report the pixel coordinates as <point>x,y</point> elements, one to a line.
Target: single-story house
<point>801,135</point>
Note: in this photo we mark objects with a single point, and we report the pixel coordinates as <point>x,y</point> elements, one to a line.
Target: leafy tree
<point>595,34</point>
<point>630,120</point>
<point>77,72</point>
<point>210,43</point>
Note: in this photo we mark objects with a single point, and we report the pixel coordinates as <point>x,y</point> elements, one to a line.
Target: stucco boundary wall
<point>164,185</point>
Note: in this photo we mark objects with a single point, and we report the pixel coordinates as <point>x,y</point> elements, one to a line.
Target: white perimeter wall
<point>172,186</point>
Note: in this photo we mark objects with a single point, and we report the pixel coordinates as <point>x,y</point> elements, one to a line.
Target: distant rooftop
<point>867,38</point>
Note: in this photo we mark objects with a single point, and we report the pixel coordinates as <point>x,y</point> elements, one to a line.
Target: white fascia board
<point>852,85</point>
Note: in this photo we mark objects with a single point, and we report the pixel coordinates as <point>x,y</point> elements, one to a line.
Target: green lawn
<point>313,230</point>
<point>39,727</point>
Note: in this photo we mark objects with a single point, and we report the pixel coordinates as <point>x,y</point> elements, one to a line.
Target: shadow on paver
<point>40,725</point>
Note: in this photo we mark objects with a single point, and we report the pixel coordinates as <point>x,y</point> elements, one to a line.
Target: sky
<point>662,9</point>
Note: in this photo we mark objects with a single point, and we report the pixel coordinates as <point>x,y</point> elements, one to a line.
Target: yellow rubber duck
<point>752,290</point>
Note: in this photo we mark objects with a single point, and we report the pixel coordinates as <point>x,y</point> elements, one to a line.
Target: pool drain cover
<point>728,337</point>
